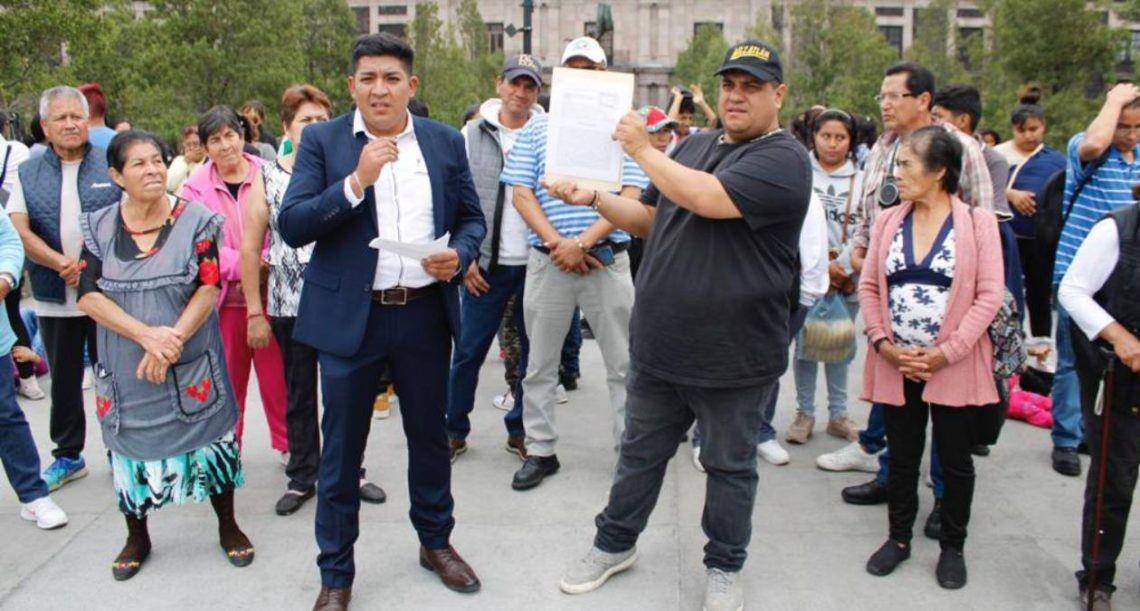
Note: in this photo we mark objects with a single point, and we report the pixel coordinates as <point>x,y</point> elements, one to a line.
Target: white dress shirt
<point>1091,267</point>
<point>403,208</point>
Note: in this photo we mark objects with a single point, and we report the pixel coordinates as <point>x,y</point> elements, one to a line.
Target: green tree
<point>934,28</point>
<point>699,61</point>
<point>453,65</point>
<point>328,36</point>
<point>35,37</point>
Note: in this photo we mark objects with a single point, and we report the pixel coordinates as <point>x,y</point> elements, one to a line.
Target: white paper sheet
<point>415,251</point>
<point>585,107</point>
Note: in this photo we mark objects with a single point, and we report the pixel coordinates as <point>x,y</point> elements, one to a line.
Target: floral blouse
<point>125,249</point>
<point>919,290</point>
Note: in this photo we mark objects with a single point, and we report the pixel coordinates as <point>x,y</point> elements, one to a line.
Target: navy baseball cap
<point>756,58</point>
<point>522,65</point>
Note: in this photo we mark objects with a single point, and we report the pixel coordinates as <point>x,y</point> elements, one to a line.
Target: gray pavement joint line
<point>676,526</point>
<point>35,570</point>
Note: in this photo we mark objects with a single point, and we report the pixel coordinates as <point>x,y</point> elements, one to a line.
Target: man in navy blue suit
<point>379,172</point>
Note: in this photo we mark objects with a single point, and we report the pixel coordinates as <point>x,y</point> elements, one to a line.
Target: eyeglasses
<point>892,97</point>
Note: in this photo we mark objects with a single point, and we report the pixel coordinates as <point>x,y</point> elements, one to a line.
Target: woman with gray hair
<point>224,185</point>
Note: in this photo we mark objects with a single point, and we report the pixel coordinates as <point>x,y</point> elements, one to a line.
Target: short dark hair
<point>835,114</point>
<point>961,99</point>
<point>470,112</point>
<point>372,45</point>
<point>867,129</point>
<point>214,120</point>
<point>919,80</point>
<point>419,108</point>
<point>687,105</point>
<point>993,133</point>
<point>938,149</point>
<point>1028,106</point>
<point>123,141</point>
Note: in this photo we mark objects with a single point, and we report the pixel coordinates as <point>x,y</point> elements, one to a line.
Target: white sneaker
<point>45,513</point>
<point>723,591</point>
<point>850,457</point>
<point>773,452</point>
<point>88,378</point>
<point>505,401</point>
<point>560,394</point>
<point>697,459</point>
<point>29,388</point>
<point>593,569</point>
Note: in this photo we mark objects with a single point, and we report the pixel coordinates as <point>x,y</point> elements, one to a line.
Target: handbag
<point>1008,339</point>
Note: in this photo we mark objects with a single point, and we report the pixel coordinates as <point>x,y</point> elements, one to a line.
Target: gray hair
<point>62,91</point>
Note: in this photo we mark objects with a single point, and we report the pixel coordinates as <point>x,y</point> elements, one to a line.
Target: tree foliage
<point>699,61</point>
<point>453,62</point>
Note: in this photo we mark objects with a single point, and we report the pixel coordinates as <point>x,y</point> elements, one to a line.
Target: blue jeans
<point>805,373</point>
<point>17,448</point>
<point>767,433</point>
<point>482,316</point>
<point>1067,425</point>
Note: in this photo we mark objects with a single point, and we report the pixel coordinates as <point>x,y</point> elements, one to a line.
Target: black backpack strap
<point>1082,180</point>
<point>4,166</point>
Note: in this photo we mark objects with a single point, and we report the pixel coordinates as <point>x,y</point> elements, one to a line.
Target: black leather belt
<point>402,295</point>
<point>614,246</point>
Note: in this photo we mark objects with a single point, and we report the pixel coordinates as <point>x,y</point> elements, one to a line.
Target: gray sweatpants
<point>606,299</point>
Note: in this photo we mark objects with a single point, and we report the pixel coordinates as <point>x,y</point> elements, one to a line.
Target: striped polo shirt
<point>526,164</point>
<point>1109,188</point>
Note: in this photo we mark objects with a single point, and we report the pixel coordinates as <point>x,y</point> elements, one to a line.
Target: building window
<point>970,13</point>
<point>707,24</point>
<point>889,11</point>
<point>392,9</point>
<point>894,36</point>
<point>607,41</point>
<point>362,23</point>
<point>495,37</point>
<point>399,30</point>
<point>1129,48</point>
<point>967,41</point>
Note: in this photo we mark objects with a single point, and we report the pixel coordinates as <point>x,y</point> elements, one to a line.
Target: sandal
<point>239,557</point>
<point>124,569</point>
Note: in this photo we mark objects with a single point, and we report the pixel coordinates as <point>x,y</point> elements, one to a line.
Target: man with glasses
<point>905,101</point>
<point>1103,157</point>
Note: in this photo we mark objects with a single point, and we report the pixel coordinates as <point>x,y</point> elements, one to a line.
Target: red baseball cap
<point>656,119</point>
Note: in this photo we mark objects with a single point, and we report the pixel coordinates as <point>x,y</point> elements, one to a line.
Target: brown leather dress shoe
<point>333,599</point>
<point>452,570</point>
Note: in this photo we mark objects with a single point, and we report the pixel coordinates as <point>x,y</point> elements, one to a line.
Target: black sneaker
<point>887,558</point>
<point>533,471</point>
<point>371,493</point>
<point>569,382</point>
<point>951,571</point>
<point>933,527</point>
<point>980,450</point>
<point>871,493</point>
<point>1066,461</point>
<point>1083,448</point>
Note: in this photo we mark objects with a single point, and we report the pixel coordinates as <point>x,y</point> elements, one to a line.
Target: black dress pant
<point>906,435</point>
<point>1119,483</point>
<point>1038,287</point>
<point>301,424</point>
<point>65,339</point>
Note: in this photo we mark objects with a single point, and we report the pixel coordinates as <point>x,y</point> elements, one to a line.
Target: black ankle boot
<point>134,553</point>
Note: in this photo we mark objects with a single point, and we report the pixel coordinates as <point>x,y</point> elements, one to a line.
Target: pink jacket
<point>975,296</point>
<point>205,185</point>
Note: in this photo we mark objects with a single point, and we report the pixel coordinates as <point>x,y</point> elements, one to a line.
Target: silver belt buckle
<point>394,296</point>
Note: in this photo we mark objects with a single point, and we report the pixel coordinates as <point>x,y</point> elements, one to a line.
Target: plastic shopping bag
<point>828,334</point>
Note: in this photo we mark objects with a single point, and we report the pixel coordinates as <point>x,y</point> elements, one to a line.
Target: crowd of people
<point>754,248</point>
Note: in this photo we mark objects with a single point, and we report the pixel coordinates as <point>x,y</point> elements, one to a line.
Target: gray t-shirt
<point>713,296</point>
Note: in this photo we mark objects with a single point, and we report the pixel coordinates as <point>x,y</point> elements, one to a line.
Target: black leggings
<point>1038,287</point>
<point>12,304</point>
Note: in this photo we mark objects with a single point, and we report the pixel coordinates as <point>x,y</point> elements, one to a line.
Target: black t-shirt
<point>713,296</point>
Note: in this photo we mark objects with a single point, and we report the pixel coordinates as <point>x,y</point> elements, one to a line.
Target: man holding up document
<point>377,172</point>
<point>577,259</point>
<point>709,335</point>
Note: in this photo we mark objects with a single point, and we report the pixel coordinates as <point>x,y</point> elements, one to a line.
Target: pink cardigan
<point>975,296</point>
<point>205,185</point>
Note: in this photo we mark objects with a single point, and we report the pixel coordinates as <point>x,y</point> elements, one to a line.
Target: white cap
<point>585,47</point>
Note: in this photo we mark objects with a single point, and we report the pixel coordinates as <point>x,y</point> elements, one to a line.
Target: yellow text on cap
<point>759,53</point>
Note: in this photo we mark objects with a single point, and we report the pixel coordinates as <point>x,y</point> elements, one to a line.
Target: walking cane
<point>1102,407</point>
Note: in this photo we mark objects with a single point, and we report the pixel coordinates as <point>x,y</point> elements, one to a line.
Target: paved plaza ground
<point>808,547</point>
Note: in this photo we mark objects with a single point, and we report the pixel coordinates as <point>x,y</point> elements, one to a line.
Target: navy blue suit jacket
<point>337,293</point>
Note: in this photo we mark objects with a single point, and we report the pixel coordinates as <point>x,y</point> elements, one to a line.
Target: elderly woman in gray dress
<point>150,279</point>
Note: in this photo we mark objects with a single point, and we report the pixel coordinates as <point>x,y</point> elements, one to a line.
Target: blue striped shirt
<point>1108,189</point>
<point>526,164</point>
